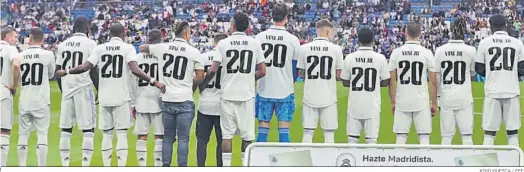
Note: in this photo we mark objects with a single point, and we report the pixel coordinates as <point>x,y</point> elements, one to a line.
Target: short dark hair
<point>365,36</point>
<point>181,27</point>
<point>323,23</point>
<point>6,31</point>
<point>37,34</point>
<point>280,12</point>
<point>413,29</point>
<point>241,21</point>
<point>154,36</point>
<point>497,22</point>
<point>117,30</point>
<point>81,24</point>
<point>219,37</point>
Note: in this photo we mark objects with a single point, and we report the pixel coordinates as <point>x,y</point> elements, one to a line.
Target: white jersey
<point>455,63</point>
<point>7,54</point>
<point>412,62</point>
<point>320,60</point>
<point>280,48</point>
<point>365,69</point>
<point>177,63</point>
<point>112,59</point>
<point>71,53</point>
<point>239,55</point>
<point>500,53</point>
<point>145,96</point>
<point>37,66</point>
<point>209,102</point>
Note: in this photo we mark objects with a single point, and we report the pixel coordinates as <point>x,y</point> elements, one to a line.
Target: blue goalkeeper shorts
<point>283,108</point>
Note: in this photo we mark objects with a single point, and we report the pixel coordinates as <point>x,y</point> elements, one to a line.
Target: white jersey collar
<point>320,38</point>
<point>80,34</point>
<point>277,27</point>
<point>180,40</point>
<point>456,41</point>
<point>34,46</point>
<point>412,42</point>
<point>501,33</point>
<point>365,48</point>
<point>116,39</point>
<point>4,42</point>
<point>238,33</point>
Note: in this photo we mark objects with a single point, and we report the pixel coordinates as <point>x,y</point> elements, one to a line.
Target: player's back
<point>71,53</point>
<point>113,58</point>
<point>238,56</point>
<point>500,53</point>
<point>147,95</point>
<point>366,69</point>
<point>209,98</point>
<point>320,59</point>
<point>7,52</point>
<point>280,49</point>
<point>455,61</point>
<point>177,61</point>
<point>36,67</point>
<point>412,62</point>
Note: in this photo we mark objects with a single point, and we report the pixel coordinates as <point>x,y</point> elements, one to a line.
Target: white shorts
<point>144,120</point>
<point>36,119</point>
<point>79,108</point>
<point>328,117</point>
<point>115,117</point>
<point>371,127</point>
<point>7,114</point>
<point>463,118</point>
<point>402,121</point>
<point>238,115</point>
<point>495,110</point>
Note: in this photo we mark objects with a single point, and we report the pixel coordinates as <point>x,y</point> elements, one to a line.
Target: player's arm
<point>340,63</point>
<point>480,61</point>
<point>58,67</point>
<point>144,48</point>
<point>51,68</point>
<point>385,75</point>
<point>261,63</point>
<point>93,74</point>
<point>301,63</point>
<point>345,75</point>
<point>210,74</point>
<point>432,78</point>
<point>393,79</point>
<point>520,64</point>
<point>296,54</point>
<point>199,75</point>
<point>16,71</point>
<point>80,69</point>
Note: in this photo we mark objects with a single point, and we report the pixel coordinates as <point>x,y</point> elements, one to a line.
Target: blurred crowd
<point>388,18</point>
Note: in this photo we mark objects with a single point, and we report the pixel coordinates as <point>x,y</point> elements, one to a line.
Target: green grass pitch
<point>386,134</point>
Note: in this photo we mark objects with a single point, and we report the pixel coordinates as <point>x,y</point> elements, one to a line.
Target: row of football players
<point>362,71</point>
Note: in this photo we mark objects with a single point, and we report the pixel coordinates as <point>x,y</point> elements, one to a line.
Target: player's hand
<point>160,86</point>
<point>96,99</point>
<point>433,110</point>
<point>202,87</point>
<point>11,89</point>
<point>133,112</point>
<point>60,73</point>
<point>393,109</point>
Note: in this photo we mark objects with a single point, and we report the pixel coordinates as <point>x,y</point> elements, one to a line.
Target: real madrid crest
<point>346,160</point>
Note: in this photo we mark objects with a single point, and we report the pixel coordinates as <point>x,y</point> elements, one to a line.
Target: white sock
<point>513,140</point>
<point>22,150</point>
<point>352,140</point>
<point>65,148</point>
<point>488,139</point>
<point>41,150</point>
<point>121,147</point>
<point>308,136</point>
<point>329,136</point>
<point>107,147</point>
<point>87,147</point>
<point>158,152</point>
<point>446,140</point>
<point>4,149</point>
<point>467,140</point>
<point>401,139</point>
<point>371,141</point>
<point>423,139</point>
<point>226,159</point>
<point>141,152</point>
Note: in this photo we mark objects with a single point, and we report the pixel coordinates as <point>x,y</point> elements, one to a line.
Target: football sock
<point>22,150</point>
<point>353,139</point>
<point>308,135</point>
<point>41,149</point>
<point>329,136</point>
<point>4,149</point>
<point>283,135</point>
<point>467,140</point>
<point>423,138</point>
<point>158,152</point>
<point>513,140</point>
<point>141,152</point>
<point>87,148</point>
<point>489,138</point>
<point>65,148</point>
<point>401,138</point>
<point>242,159</point>
<point>371,141</point>
<point>446,140</point>
<point>121,147</point>
<point>226,159</point>
<point>262,134</point>
<point>107,147</point>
